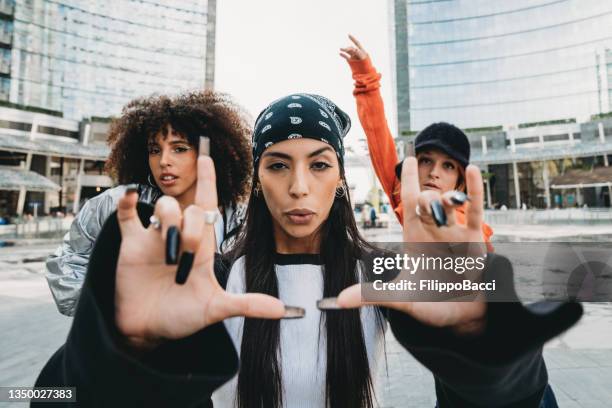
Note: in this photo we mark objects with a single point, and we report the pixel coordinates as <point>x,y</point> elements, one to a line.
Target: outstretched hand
<point>150,306</point>
<point>353,52</point>
<point>464,317</point>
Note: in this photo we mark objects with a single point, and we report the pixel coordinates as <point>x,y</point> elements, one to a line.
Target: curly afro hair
<point>192,114</point>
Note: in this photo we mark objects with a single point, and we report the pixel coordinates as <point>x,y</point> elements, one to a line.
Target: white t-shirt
<point>303,351</point>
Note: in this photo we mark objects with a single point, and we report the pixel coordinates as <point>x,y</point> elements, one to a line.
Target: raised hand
<point>465,317</point>
<point>422,228</point>
<point>353,52</point>
<point>150,306</point>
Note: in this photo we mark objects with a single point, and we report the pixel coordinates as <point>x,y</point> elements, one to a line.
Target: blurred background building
<point>68,65</point>
<point>529,80</point>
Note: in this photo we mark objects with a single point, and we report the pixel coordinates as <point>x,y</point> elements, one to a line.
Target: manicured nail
<point>173,243</point>
<point>437,212</point>
<point>184,267</point>
<point>459,198</point>
<point>131,188</point>
<point>294,312</point>
<point>330,303</point>
<point>410,149</point>
<point>398,170</point>
<point>204,148</point>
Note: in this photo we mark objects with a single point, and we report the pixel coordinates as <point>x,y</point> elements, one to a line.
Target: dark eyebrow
<point>318,152</point>
<point>277,154</point>
<point>180,141</point>
<point>288,157</point>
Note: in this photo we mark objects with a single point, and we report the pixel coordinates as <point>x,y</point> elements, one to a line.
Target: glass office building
<point>88,58</point>
<point>530,81</point>
<point>65,67</point>
<point>480,63</point>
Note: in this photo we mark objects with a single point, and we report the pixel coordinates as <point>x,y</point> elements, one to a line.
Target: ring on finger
<point>211,217</point>
<point>155,222</point>
<point>417,210</point>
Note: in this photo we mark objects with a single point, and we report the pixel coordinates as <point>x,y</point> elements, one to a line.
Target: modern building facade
<point>546,165</point>
<point>88,58</point>
<point>529,80</point>
<point>65,65</point>
<point>49,163</point>
<point>482,63</point>
<point>604,80</point>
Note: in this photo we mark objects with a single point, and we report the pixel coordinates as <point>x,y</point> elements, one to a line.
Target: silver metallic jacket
<point>67,267</point>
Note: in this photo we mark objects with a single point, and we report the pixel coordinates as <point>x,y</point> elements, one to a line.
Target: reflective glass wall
<point>88,58</point>
<point>483,63</point>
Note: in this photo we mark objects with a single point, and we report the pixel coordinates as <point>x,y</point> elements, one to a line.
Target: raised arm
<point>139,338</point>
<point>485,352</point>
<point>501,365</point>
<point>371,111</point>
<point>107,371</point>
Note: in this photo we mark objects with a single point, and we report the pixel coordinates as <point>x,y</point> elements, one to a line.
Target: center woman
<point>300,243</point>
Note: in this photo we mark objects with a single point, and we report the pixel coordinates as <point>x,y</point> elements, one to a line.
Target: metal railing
<point>40,227</point>
<point>552,216</point>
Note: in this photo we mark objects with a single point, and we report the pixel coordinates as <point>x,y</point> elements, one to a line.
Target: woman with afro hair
<point>154,148</point>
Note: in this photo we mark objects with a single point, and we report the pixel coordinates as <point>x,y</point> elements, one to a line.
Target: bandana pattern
<point>301,116</point>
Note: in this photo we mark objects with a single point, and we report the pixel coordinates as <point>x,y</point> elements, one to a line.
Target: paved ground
<point>514,233</point>
<point>31,329</point>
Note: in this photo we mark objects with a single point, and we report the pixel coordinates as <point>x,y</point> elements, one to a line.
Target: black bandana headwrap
<point>301,115</point>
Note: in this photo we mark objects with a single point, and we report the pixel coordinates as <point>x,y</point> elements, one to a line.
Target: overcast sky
<point>266,49</point>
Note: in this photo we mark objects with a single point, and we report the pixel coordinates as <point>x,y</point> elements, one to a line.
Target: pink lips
<point>170,182</point>
<point>431,186</point>
<point>300,216</point>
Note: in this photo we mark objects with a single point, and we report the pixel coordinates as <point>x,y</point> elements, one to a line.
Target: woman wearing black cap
<point>442,149</point>
<point>141,339</point>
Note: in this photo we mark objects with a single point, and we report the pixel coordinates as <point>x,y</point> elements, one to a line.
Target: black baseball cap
<point>445,137</point>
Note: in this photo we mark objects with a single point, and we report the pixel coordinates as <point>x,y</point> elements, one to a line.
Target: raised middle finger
<point>410,189</point>
<point>206,199</point>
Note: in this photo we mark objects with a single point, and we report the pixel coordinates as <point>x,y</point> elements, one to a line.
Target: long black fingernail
<point>330,303</point>
<point>409,149</point>
<point>173,243</point>
<point>398,170</point>
<point>184,267</point>
<point>131,188</point>
<point>294,312</point>
<point>204,148</point>
<point>437,212</point>
<point>459,198</point>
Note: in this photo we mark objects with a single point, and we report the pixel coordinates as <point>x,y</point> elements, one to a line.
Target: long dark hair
<point>348,377</point>
<point>192,114</point>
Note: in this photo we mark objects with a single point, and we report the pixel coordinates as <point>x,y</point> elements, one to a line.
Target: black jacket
<point>502,367</point>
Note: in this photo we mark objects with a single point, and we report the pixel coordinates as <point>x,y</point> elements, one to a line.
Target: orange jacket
<point>371,111</point>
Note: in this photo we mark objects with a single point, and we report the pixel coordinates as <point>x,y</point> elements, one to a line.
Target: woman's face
<point>298,180</point>
<point>173,163</point>
<point>438,171</point>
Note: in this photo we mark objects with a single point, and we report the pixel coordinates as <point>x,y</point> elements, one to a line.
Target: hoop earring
<point>150,182</point>
<point>340,191</point>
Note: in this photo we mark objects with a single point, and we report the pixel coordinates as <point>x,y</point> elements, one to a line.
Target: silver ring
<point>211,217</point>
<point>417,210</point>
<point>155,222</point>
